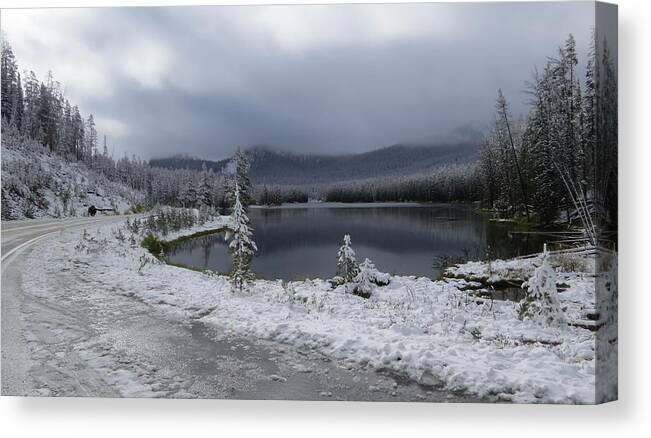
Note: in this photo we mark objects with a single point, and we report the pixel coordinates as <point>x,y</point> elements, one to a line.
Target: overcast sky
<point>323,79</point>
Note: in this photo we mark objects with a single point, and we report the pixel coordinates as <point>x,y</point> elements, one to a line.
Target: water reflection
<point>302,241</point>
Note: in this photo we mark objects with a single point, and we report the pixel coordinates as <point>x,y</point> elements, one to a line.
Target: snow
<point>37,183</point>
<point>428,330</point>
<point>577,297</point>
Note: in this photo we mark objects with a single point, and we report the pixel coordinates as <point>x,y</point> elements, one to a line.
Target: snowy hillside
<point>37,183</point>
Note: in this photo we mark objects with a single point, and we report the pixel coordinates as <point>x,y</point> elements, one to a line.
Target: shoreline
<point>430,331</point>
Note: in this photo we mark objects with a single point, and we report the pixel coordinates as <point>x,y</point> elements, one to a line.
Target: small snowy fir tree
<point>242,245</point>
<point>364,282</point>
<point>347,267</point>
<point>541,303</point>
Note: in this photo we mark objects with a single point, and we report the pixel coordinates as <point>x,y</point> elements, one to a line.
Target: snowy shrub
<point>364,282</point>
<point>337,281</point>
<point>90,244</point>
<point>145,261</point>
<point>29,212</point>
<point>362,285</point>
<point>133,226</point>
<point>541,303</point>
<point>119,235</point>
<point>569,262</point>
<point>347,267</point>
<point>152,244</point>
<point>379,278</point>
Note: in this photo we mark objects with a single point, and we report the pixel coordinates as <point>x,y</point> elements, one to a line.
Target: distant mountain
<point>269,166</point>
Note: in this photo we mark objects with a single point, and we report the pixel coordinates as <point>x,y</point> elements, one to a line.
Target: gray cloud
<point>204,80</point>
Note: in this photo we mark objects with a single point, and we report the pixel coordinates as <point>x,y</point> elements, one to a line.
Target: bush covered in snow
<point>541,303</point>
<point>363,284</point>
<point>366,279</point>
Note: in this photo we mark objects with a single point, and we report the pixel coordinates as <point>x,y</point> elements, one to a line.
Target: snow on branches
<point>541,304</point>
<point>347,267</point>
<point>242,245</point>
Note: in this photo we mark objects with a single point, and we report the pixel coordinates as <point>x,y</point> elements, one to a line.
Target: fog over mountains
<point>271,166</point>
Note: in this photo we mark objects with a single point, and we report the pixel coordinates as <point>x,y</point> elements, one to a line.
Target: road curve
<point>17,238</point>
<point>109,344</point>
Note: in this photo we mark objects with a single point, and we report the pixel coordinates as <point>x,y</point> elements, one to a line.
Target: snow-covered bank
<point>431,331</point>
<point>38,183</point>
<point>575,277</point>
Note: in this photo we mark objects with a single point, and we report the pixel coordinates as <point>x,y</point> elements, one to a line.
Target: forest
<point>38,111</point>
<point>561,160</point>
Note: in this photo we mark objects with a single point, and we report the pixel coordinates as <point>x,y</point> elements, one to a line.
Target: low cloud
<point>323,79</point>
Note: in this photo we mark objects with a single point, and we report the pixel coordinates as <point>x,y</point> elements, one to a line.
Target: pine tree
<point>238,175</point>
<point>347,267</point>
<point>205,188</point>
<point>606,145</point>
<point>242,245</point>
<point>11,88</point>
<point>504,126</point>
<point>364,282</point>
<point>31,125</point>
<point>541,303</point>
<point>488,172</point>
<point>19,106</point>
<point>78,136</point>
<point>190,195</point>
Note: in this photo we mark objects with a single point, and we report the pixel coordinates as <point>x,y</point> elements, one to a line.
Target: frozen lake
<point>301,240</point>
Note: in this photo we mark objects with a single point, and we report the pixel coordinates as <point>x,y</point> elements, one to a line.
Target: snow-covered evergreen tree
<point>242,245</point>
<point>205,188</point>
<point>364,281</point>
<point>347,267</point>
<point>190,191</point>
<point>541,303</point>
<point>12,91</point>
<point>238,174</point>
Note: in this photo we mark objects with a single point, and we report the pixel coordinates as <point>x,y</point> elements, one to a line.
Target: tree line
<point>443,184</point>
<point>560,162</point>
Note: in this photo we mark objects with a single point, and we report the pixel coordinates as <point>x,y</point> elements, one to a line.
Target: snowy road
<point>17,238</point>
<point>102,343</point>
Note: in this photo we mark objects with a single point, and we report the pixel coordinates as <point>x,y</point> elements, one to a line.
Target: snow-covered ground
<point>36,183</point>
<point>430,331</point>
<point>577,284</point>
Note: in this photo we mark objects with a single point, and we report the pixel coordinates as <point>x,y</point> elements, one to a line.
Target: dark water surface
<point>301,240</point>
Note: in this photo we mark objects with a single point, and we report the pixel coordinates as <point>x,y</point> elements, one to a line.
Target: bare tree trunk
<point>517,165</point>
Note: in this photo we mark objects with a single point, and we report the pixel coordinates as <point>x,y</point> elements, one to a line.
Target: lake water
<point>301,240</point>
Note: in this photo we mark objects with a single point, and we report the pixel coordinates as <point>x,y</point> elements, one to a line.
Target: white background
<point>630,416</point>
